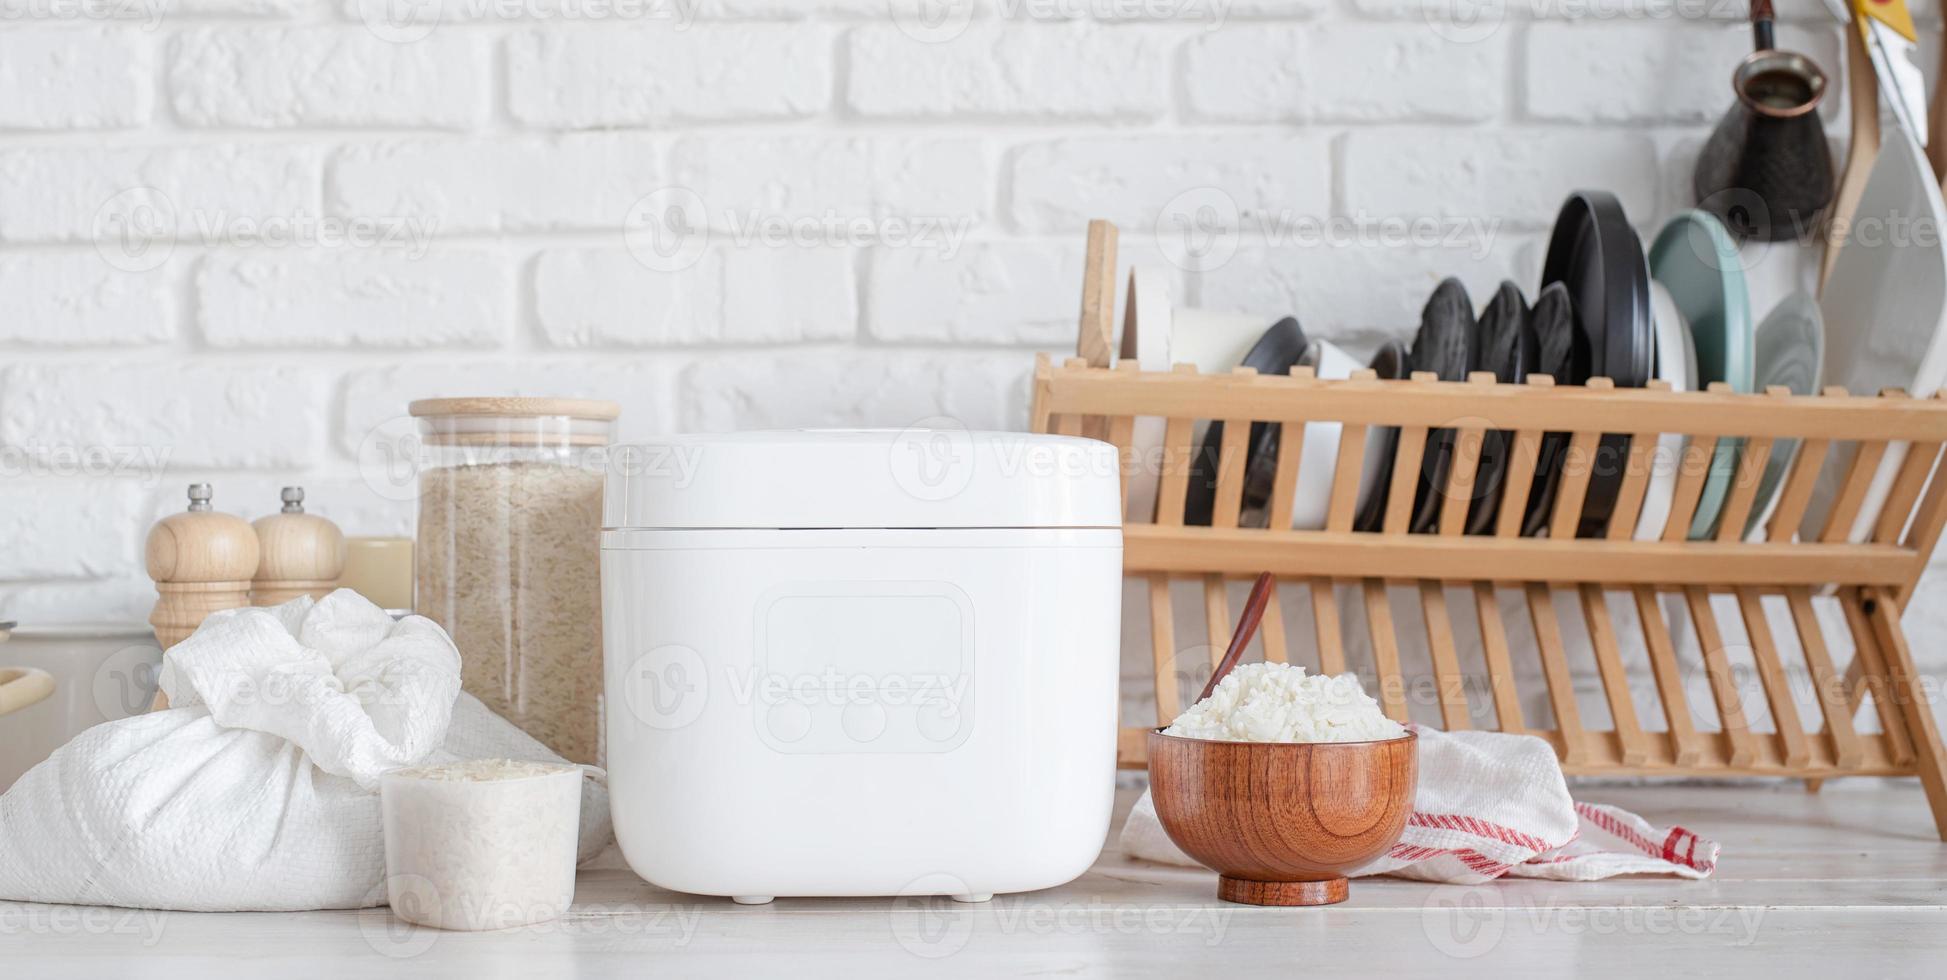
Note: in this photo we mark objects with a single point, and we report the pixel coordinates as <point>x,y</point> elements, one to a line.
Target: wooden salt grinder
<point>298,554</point>
<point>201,562</point>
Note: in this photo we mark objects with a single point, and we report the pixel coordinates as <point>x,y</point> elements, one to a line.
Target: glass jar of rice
<point>509,556</point>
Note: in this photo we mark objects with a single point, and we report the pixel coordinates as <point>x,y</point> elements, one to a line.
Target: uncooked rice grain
<point>509,562</point>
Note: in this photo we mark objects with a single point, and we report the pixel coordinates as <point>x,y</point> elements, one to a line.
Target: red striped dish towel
<point>1491,805</point>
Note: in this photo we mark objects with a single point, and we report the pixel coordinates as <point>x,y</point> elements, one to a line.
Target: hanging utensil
<point>1766,171</point>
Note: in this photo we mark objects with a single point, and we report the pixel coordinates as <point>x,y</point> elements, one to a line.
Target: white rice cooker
<point>861,662</point>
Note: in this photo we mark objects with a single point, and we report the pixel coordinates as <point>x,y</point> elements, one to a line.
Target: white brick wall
<point>237,236</point>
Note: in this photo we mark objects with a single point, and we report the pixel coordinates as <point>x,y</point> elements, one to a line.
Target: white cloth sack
<point>257,790</point>
<point>1490,805</point>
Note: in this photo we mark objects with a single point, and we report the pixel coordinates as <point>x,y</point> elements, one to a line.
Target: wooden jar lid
<point>579,408</point>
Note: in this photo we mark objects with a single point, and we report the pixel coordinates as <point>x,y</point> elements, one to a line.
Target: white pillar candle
<point>486,844</point>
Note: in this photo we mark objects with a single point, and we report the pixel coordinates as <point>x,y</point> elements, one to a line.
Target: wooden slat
<point>1723,682</point>
<point>1914,470</point>
<point>1095,341</point>
<point>1796,492</point>
<point>1173,483</point>
<point>1171,490</point>
<point>1162,649</point>
<point>1858,480</point>
<point>1866,654</point>
<point>1693,471</point>
<point>1749,473</point>
<point>1344,503</point>
<point>1408,454</point>
<point>1500,666</point>
<point>1636,478</point>
<point>1216,616</point>
<point>1085,424</point>
<point>1615,678</point>
<point>1577,468</point>
<point>1910,694</point>
<point>1040,415</point>
<point>1385,651</point>
<point>1325,620</point>
<point>1459,492</point>
<point>1924,532</point>
<point>1306,554</point>
<point>1270,631</point>
<point>1554,667</point>
<point>1559,408</point>
<point>1771,673</point>
<point>1855,685</point>
<point>1284,483</point>
<point>1229,500</point>
<point>1452,687</point>
<point>1122,435</point>
<point>1830,692</point>
<point>1689,748</point>
<point>1524,453</point>
<point>1458,495</point>
<point>1852,494</point>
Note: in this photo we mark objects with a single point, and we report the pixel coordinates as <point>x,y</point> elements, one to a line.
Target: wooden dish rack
<point>1871,580</point>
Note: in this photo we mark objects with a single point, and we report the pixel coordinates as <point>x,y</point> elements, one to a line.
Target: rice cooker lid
<point>864,478</point>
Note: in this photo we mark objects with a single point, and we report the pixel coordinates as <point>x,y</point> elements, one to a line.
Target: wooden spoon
<point>1246,628</point>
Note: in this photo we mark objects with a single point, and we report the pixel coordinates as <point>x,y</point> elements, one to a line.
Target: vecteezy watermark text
<point>670,229</point>
<point>406,21</point>
<point>1470,922</point>
<point>137,229</point>
<point>1473,21</point>
<point>149,12</point>
<point>1201,229</point>
<point>143,463</point>
<point>940,21</point>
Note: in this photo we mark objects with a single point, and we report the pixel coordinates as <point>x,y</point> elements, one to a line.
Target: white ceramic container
<point>99,673</point>
<point>862,662</point>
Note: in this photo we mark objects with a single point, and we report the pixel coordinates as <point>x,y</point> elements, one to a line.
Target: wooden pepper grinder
<point>298,554</point>
<point>201,562</point>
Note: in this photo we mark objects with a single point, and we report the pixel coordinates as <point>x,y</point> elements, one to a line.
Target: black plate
<point>1505,345</point>
<point>1596,254</point>
<point>1391,363</point>
<point>1563,354</point>
<point>1274,353</point>
<point>1444,346</point>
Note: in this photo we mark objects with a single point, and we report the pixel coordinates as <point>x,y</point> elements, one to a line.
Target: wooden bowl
<point>1281,822</point>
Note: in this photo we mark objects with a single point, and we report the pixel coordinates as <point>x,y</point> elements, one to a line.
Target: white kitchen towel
<point>257,789</point>
<point>1493,805</point>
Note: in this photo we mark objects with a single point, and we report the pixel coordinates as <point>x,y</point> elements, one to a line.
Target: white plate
<point>1213,340</point>
<point>1791,353</point>
<point>1676,363</point>
<point>1319,460</point>
<point>1146,323</point>
<point>1883,307</point>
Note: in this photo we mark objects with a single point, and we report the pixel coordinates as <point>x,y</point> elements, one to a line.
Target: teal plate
<point>1696,260</point>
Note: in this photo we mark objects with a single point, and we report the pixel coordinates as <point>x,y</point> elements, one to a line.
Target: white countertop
<point>1852,882</point>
